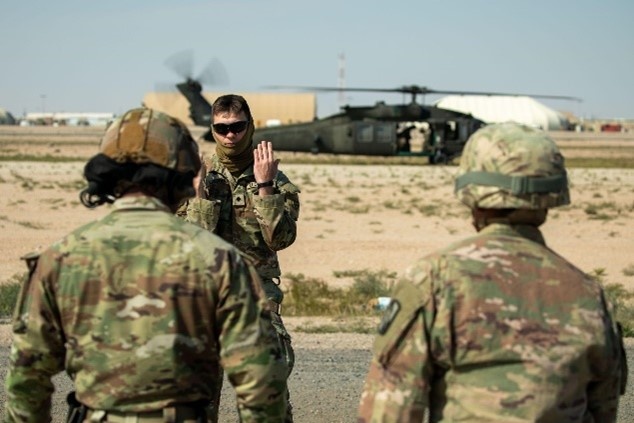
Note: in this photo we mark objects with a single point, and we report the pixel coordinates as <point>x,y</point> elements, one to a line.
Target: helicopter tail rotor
<point>191,87</point>
<point>214,73</point>
<point>182,63</point>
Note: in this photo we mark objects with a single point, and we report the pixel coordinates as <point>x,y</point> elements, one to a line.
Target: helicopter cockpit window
<point>374,132</point>
<point>383,133</point>
<point>364,133</point>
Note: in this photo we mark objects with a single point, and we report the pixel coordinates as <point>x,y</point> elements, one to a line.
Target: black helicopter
<point>379,130</point>
<point>383,129</point>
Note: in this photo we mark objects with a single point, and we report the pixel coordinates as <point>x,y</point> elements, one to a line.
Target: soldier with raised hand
<point>498,327</point>
<point>249,202</point>
<point>140,307</point>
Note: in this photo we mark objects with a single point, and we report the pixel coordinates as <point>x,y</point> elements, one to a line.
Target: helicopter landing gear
<point>438,156</point>
<point>317,145</point>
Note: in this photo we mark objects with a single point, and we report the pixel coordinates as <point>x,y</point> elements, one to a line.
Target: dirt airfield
<point>353,217</point>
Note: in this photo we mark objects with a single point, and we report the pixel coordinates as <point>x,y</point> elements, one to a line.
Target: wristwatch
<point>265,184</point>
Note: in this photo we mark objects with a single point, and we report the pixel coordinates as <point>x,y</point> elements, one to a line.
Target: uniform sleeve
<point>398,382</point>
<point>37,353</point>
<point>202,212</point>
<point>250,353</point>
<point>612,370</point>
<point>277,215</point>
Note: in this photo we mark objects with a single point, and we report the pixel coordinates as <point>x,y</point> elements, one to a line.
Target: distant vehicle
<point>611,127</point>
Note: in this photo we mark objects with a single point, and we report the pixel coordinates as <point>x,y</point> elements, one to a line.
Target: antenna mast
<point>342,80</point>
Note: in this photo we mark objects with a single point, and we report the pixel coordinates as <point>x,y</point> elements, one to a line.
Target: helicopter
<point>411,129</point>
<point>384,130</point>
<point>379,130</point>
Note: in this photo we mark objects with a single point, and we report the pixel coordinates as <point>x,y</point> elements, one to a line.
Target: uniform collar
<point>144,202</point>
<point>217,166</point>
<point>525,231</point>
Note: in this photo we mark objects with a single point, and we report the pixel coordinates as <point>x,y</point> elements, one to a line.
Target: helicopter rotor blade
<point>489,93</point>
<point>415,90</point>
<point>214,73</point>
<point>182,63</point>
<point>305,88</point>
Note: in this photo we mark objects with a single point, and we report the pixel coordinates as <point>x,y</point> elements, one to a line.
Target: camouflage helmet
<point>512,166</point>
<point>145,136</point>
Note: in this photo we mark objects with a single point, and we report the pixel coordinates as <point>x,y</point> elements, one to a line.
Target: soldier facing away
<point>245,199</point>
<point>498,327</point>
<point>140,307</point>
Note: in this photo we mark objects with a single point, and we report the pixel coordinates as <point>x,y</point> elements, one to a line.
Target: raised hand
<point>264,162</point>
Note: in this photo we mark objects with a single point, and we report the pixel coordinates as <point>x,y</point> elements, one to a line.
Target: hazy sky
<point>103,56</point>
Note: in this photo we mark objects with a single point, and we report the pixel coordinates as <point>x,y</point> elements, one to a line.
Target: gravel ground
<point>325,385</point>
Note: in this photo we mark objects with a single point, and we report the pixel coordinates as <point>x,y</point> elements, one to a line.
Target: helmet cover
<point>145,135</point>
<point>510,165</point>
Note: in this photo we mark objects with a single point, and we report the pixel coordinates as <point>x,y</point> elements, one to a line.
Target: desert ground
<point>381,216</point>
<point>353,217</point>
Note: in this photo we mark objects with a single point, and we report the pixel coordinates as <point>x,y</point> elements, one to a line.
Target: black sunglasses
<point>235,127</point>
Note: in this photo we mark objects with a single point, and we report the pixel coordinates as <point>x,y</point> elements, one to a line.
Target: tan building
<point>267,108</point>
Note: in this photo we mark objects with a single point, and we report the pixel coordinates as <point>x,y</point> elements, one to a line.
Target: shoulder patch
<point>388,316</point>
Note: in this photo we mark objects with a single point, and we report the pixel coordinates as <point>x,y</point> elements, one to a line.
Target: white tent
<point>495,109</point>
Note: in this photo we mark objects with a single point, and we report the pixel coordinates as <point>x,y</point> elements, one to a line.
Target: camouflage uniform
<point>257,216</point>
<point>258,225</point>
<point>497,327</point>
<point>140,315</point>
<point>141,308</point>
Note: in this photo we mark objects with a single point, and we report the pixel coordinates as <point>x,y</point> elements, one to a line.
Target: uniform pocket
<point>204,213</point>
<point>20,314</point>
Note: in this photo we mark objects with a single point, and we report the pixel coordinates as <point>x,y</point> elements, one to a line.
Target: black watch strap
<point>265,184</point>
